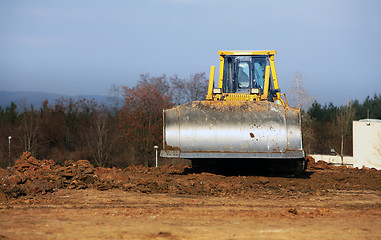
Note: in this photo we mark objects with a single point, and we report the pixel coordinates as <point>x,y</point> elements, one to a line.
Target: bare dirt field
<point>40,199</point>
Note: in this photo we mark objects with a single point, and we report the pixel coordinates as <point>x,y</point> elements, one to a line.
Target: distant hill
<point>36,98</point>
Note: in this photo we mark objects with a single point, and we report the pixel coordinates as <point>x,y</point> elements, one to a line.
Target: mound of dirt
<point>31,176</point>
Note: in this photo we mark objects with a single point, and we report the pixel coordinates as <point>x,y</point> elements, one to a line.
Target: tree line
<point>124,133</point>
<point>118,135</point>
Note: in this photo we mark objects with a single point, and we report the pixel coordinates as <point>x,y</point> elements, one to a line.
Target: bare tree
<point>299,94</point>
<point>343,126</point>
<point>99,138</point>
<point>197,87</point>
<point>303,101</point>
<point>178,90</point>
<point>30,124</point>
<point>194,88</point>
<point>159,83</point>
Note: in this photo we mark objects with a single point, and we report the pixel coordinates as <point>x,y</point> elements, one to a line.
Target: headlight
<point>217,90</point>
<point>254,90</point>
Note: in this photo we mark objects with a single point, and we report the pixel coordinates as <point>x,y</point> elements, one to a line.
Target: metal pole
<point>156,147</point>
<point>9,150</point>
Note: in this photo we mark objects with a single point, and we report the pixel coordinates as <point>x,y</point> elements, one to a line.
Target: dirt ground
<point>40,199</point>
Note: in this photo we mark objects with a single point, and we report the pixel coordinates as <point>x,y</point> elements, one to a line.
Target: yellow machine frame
<point>216,94</point>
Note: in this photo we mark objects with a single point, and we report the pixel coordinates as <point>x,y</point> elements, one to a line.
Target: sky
<point>84,47</point>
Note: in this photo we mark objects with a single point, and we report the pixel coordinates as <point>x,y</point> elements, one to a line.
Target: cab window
<point>243,75</point>
<point>259,72</point>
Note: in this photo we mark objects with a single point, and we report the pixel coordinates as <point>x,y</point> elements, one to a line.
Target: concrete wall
<point>333,159</point>
<point>367,143</point>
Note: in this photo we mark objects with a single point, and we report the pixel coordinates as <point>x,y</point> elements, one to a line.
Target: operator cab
<point>242,73</point>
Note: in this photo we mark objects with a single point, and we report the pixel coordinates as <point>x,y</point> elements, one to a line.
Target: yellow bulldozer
<point>245,117</point>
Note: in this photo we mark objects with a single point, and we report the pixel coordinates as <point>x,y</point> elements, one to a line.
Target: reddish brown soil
<point>40,199</point>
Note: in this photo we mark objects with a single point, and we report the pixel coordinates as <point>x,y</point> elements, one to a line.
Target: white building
<point>367,143</point>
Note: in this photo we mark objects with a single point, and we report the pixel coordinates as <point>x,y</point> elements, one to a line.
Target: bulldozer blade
<point>223,129</point>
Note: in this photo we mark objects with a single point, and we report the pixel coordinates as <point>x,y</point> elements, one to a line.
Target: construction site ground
<point>40,199</point>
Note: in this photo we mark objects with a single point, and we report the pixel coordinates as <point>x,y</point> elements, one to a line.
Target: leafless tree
<point>100,137</point>
<point>30,124</point>
<point>178,90</point>
<point>299,94</point>
<point>192,89</point>
<point>159,83</point>
<point>303,101</point>
<point>343,126</point>
<point>197,87</point>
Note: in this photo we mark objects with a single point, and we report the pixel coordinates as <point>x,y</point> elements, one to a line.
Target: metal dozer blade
<point>245,118</point>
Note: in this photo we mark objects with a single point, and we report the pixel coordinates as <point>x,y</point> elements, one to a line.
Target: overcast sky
<point>83,47</point>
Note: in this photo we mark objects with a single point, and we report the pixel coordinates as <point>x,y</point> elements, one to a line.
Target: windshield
<point>244,72</point>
